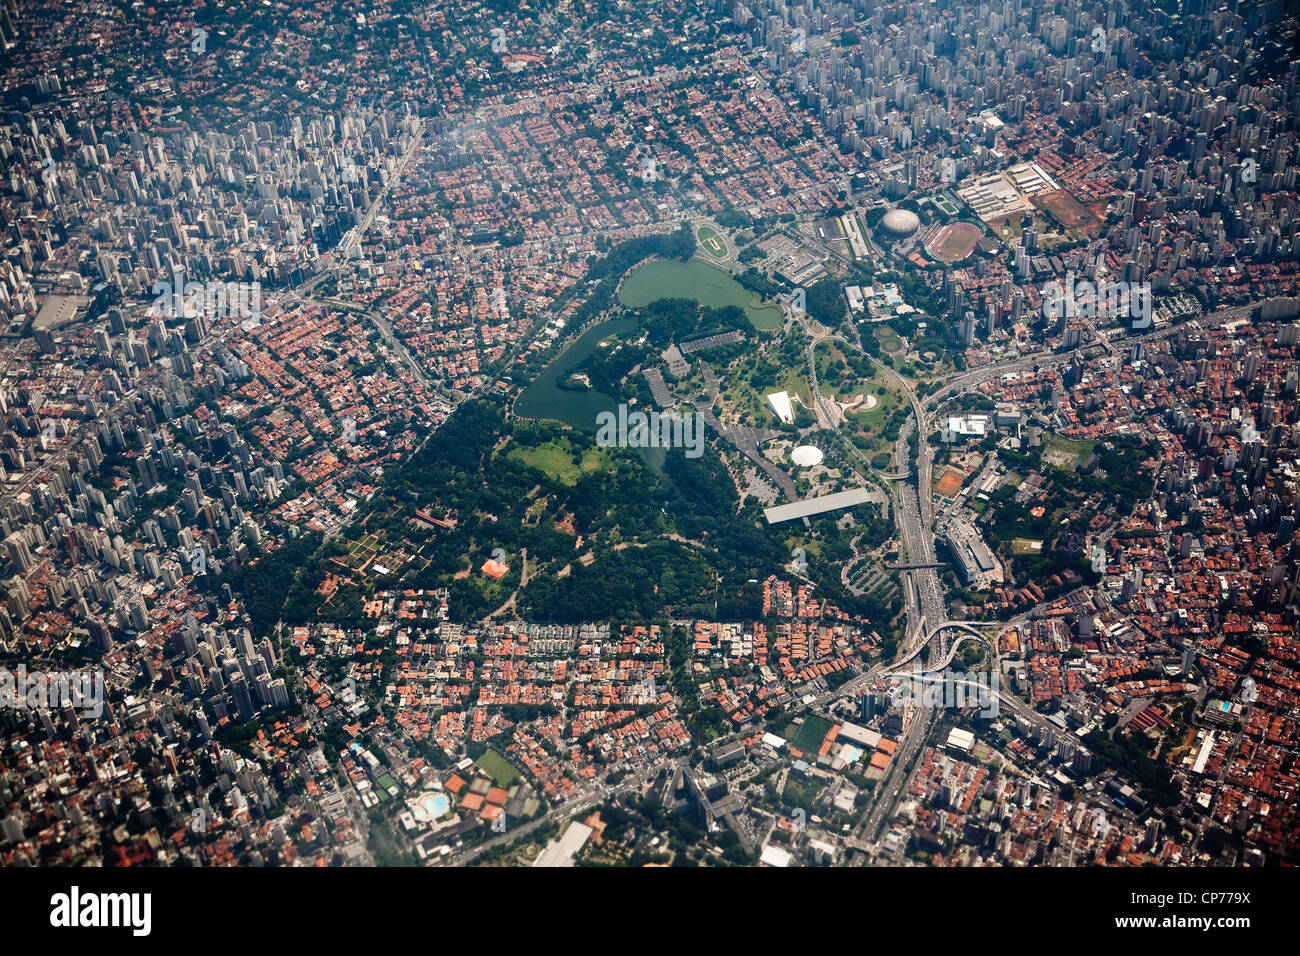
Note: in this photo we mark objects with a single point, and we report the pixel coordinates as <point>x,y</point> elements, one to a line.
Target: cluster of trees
<point>939,335</point>
<point>663,321</point>
<point>634,583</point>
<point>834,550</point>
<point>755,281</point>
<point>734,218</point>
<point>606,368</point>
<point>669,320</point>
<point>1048,562</point>
<point>623,256</point>
<point>626,511</point>
<point>1007,521</point>
<point>692,498</point>
<point>844,374</point>
<point>1128,757</point>
<point>825,302</point>
<point>1113,471</point>
<point>458,476</point>
<point>916,289</point>
<point>264,584</point>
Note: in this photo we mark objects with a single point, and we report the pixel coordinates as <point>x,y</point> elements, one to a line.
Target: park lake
<point>545,399</point>
<point>706,284</point>
<point>664,278</point>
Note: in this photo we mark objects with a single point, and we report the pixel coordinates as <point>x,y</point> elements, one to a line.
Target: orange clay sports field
<point>950,483</point>
<point>954,241</point>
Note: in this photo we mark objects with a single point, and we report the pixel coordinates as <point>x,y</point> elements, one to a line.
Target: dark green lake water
<point>706,284</point>
<point>654,280</point>
<point>545,399</point>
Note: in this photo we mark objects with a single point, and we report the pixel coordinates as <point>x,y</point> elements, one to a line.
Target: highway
<point>352,238</point>
<point>393,342</point>
<point>927,613</point>
<point>926,619</point>
<point>595,796</point>
<point>1044,359</point>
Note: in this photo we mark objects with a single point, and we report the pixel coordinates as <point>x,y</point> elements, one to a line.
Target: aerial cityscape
<point>727,433</point>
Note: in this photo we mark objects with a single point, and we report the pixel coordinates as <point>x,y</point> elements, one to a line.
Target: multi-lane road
<point>353,236</point>
<point>927,614</point>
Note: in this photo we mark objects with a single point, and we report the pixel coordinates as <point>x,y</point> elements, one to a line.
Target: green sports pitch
<point>713,243</point>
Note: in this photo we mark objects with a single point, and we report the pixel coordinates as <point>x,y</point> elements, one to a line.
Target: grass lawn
<point>812,548</point>
<point>739,393</point>
<point>810,735</point>
<point>800,793</point>
<point>362,550</point>
<point>555,458</point>
<point>712,242</point>
<point>1066,454</point>
<point>496,766</point>
<point>888,338</point>
<point>866,427</point>
<point>1025,546</point>
<point>851,375</point>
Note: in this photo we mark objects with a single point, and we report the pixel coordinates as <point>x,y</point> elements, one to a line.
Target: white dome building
<point>806,456</point>
<point>900,222</point>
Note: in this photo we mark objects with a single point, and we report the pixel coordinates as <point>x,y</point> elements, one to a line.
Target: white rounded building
<point>900,222</point>
<point>806,456</point>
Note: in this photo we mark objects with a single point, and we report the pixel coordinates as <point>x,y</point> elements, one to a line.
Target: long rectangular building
<point>815,506</point>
